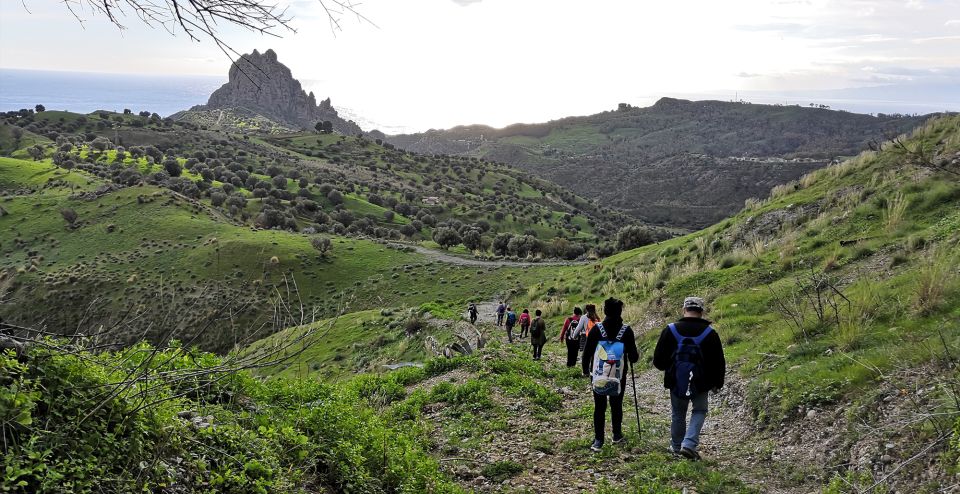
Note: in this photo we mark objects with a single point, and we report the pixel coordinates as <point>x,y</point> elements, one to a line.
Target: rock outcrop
<point>260,84</point>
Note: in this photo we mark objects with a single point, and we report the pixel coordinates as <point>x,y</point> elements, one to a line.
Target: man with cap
<point>690,343</point>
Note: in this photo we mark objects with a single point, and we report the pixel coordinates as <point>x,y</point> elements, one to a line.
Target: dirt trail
<point>436,255</point>
<point>553,450</point>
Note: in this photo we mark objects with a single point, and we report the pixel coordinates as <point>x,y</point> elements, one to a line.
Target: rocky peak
<point>258,82</point>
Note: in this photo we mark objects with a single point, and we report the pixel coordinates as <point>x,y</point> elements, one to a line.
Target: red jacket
<point>569,324</point>
<point>524,319</point>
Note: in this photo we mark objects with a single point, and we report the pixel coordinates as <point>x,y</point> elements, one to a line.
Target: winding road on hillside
<point>448,258</point>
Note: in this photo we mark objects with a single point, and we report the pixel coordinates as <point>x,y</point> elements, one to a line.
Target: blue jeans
<point>681,434</point>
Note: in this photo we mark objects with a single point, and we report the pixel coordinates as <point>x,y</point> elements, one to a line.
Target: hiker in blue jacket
<point>611,330</point>
<point>691,355</point>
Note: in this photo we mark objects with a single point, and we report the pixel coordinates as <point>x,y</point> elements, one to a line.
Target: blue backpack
<point>687,362</point>
<point>608,363</point>
<point>511,318</point>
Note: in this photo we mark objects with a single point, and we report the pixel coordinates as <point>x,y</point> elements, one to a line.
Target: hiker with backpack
<point>587,322</point>
<point>511,321</point>
<point>473,312</point>
<point>538,334</point>
<point>524,323</point>
<point>501,310</point>
<point>569,335</point>
<point>691,355</point>
<point>610,350</point>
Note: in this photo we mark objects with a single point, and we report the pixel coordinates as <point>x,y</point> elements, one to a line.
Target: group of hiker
<point>535,327</point>
<point>688,351</point>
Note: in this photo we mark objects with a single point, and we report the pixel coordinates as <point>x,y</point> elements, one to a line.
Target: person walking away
<point>538,334</point>
<point>472,310</point>
<point>610,350</point>
<point>690,353</point>
<point>524,323</point>
<point>511,322</point>
<point>587,322</point>
<point>501,309</point>
<point>569,335</point>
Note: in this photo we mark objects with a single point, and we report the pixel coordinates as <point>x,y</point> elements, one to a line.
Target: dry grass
<point>809,179</point>
<point>936,276</point>
<point>551,307</point>
<point>784,189</point>
<point>752,203</point>
<point>895,211</point>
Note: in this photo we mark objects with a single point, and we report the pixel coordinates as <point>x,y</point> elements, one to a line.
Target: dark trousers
<point>573,348</point>
<point>600,413</point>
<point>524,329</point>
<point>510,332</point>
<point>499,319</point>
<point>537,350</point>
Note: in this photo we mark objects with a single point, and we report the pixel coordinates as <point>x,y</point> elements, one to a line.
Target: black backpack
<point>687,365</point>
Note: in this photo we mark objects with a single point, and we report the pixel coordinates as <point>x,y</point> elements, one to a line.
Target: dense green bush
<point>146,420</point>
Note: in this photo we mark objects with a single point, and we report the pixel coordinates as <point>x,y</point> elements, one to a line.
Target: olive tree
<point>446,237</point>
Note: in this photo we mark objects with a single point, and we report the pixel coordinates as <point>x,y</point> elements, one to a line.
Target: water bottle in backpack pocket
<point>608,364</point>
<point>687,365</point>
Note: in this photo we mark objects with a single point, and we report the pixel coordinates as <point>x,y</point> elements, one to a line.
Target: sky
<point>422,64</point>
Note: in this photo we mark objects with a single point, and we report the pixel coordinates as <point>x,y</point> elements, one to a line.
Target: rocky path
<point>553,447</point>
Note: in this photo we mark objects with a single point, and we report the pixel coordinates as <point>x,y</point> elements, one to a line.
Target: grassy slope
<point>478,190</point>
<point>161,243</point>
<point>739,264</point>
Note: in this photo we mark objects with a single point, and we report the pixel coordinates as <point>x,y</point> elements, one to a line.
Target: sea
<point>85,92</point>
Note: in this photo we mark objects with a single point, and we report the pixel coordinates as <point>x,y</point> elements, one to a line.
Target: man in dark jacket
<point>611,329</point>
<point>693,330</point>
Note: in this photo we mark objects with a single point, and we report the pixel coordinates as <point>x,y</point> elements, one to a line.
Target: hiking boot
<point>674,451</point>
<point>619,439</point>
<point>689,454</point>
<point>596,446</point>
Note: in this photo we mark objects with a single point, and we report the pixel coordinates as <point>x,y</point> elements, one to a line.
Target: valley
<point>231,301</point>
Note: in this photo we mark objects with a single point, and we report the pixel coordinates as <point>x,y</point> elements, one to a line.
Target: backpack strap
<point>696,340</point>
<point>676,334</point>
<point>699,339</point>
<point>622,331</point>
<point>603,332</point>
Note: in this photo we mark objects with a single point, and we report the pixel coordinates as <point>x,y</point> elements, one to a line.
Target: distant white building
<point>431,200</point>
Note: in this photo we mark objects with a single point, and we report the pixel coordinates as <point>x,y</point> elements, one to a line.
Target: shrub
<point>323,245</point>
<point>633,236</point>
<point>69,215</point>
<point>499,471</point>
<point>288,434</point>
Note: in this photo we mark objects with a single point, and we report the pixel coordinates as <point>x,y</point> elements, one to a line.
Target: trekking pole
<point>636,404</point>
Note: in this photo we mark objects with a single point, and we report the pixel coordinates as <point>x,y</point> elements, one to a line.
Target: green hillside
<point>679,163</point>
<point>870,369</point>
<point>325,183</point>
<point>836,299</point>
<point>145,261</point>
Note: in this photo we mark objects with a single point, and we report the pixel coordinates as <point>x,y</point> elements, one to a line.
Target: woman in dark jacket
<point>611,329</point>
<point>538,334</point>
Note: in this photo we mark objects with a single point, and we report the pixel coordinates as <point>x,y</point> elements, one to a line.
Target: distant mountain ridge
<point>259,85</point>
<point>678,162</point>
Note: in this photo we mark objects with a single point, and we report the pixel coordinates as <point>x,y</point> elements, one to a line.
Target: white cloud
<point>952,22</point>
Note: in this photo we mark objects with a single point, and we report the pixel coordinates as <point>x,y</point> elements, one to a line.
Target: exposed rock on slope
<point>261,85</point>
